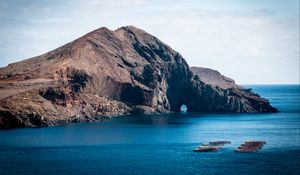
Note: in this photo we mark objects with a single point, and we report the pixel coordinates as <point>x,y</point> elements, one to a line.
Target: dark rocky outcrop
<point>220,94</point>
<point>109,73</point>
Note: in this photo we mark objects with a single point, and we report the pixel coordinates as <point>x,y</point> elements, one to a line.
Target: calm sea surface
<point>162,144</point>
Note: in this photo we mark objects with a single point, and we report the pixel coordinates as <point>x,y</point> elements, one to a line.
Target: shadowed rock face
<point>218,93</point>
<point>109,73</point>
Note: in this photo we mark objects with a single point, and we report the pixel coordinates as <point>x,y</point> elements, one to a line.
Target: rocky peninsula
<point>108,73</point>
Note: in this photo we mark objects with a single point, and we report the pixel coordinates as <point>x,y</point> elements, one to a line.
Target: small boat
<point>206,149</point>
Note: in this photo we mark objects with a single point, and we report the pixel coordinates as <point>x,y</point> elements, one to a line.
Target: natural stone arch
<point>183,108</point>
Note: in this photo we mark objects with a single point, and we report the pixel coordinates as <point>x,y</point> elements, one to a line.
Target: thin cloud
<point>234,37</point>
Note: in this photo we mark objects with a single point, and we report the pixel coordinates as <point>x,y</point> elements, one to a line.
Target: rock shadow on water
<point>158,119</point>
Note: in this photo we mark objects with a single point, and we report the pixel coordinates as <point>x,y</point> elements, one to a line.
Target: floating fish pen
<point>211,146</point>
<point>219,142</point>
<point>206,149</point>
<point>250,146</point>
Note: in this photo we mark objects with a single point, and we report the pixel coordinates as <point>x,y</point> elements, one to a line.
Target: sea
<point>162,144</point>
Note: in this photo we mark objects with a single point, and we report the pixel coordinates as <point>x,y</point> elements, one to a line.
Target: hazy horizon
<point>253,42</point>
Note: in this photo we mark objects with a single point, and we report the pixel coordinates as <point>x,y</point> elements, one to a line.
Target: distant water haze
<point>253,42</point>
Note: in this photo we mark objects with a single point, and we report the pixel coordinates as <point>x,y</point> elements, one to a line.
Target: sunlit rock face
<point>108,73</point>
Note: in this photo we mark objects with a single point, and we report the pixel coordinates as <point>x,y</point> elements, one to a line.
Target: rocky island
<point>109,73</point>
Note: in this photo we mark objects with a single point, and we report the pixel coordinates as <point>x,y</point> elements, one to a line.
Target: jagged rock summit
<point>109,73</point>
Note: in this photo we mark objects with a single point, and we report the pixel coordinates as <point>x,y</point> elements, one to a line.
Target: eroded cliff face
<point>218,93</point>
<point>109,73</point>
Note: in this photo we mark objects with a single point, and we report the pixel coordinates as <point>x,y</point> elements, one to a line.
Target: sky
<point>253,42</point>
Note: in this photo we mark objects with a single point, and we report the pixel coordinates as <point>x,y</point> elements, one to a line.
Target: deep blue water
<point>162,144</point>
